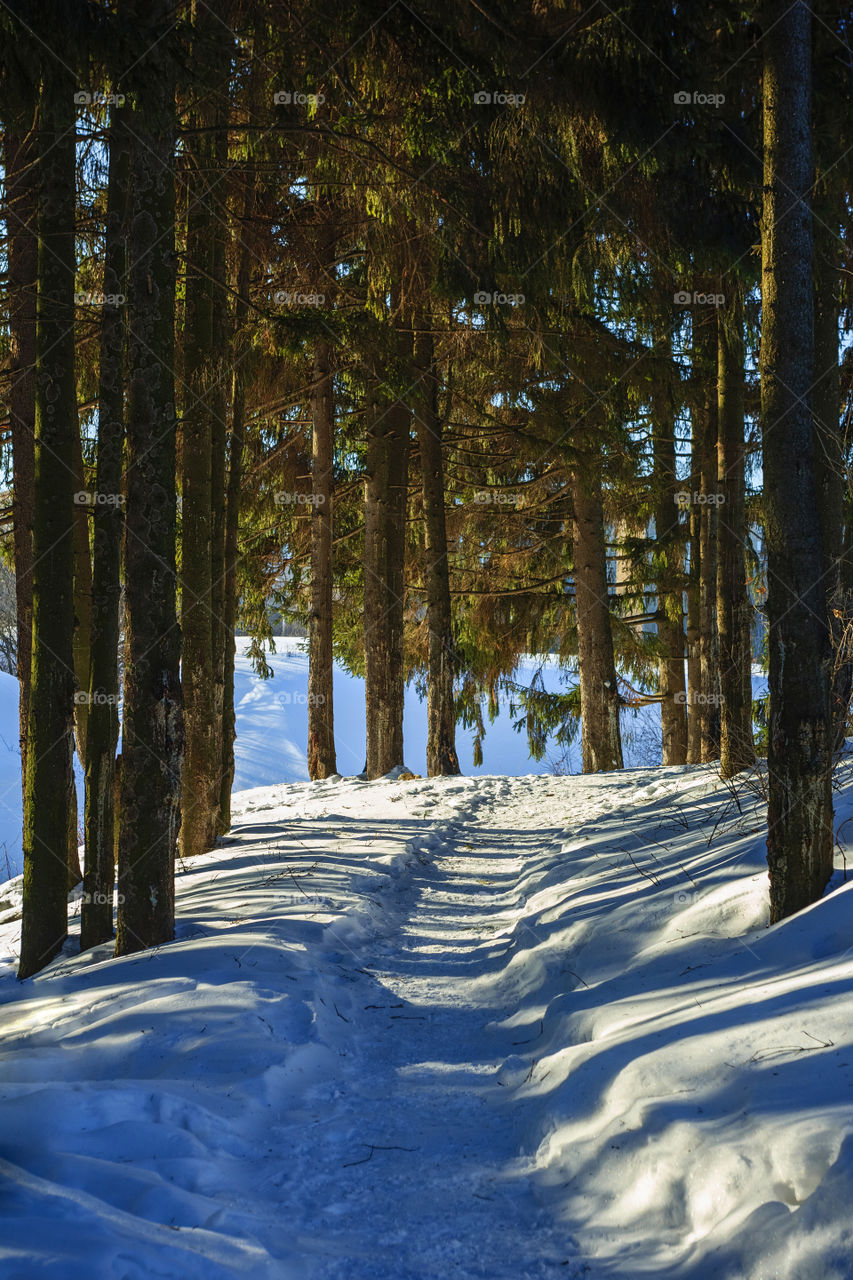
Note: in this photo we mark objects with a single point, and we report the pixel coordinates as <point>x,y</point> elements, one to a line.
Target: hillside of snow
<point>491,1028</point>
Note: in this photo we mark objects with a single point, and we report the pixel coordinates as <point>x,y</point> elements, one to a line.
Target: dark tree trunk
<point>799,836</point>
<point>221,638</point>
<point>152,737</point>
<point>321,724</point>
<point>235,474</point>
<point>600,733</point>
<point>50,778</point>
<point>705,345</point>
<point>442,760</point>
<point>108,518</point>
<point>734,610</point>
<point>386,491</point>
<point>82,595</point>
<point>830,470</point>
<point>201,768</point>
<point>669,554</point>
<point>694,668</point>
<point>22,250</point>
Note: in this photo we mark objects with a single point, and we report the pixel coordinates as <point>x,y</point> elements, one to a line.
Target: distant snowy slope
<point>11,807</point>
<point>272,724</point>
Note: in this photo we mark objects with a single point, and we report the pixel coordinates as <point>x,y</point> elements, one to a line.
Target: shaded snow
<point>484,1027</point>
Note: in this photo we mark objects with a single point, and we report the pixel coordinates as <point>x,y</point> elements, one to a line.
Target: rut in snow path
<point>425,1146</point>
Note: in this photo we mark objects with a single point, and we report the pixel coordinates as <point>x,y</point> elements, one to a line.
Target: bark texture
<point>442,760</point>
<point>152,731</point>
<point>734,611</point>
<point>321,724</point>
<point>386,487</point>
<point>49,776</point>
<point>601,742</point>
<point>108,521</point>
<point>799,836</point>
<point>669,553</point>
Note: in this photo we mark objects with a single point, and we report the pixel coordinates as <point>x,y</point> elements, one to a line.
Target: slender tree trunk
<point>108,516</point>
<point>694,668</point>
<point>830,470</point>
<point>50,778</point>
<point>670,559</point>
<point>82,596</point>
<point>799,836</point>
<point>442,760</point>
<point>200,781</point>
<point>220,637</point>
<point>386,491</point>
<point>152,730</point>
<point>705,345</point>
<point>22,250</point>
<point>321,725</point>
<point>600,733</point>
<point>235,474</point>
<point>737,751</point>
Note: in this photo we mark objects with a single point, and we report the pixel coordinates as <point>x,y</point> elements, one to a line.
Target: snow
<point>487,1027</point>
<point>272,723</point>
<point>494,1026</point>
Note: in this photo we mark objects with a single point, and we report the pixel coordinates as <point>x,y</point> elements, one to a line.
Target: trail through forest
<point>478,1027</point>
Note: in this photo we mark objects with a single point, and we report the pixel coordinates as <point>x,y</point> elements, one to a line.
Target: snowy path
<point>423,1175</point>
<point>486,1028</point>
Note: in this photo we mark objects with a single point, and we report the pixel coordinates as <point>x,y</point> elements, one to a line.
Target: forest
<point>455,337</point>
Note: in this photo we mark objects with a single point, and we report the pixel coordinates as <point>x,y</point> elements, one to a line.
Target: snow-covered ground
<point>272,724</point>
<point>272,734</point>
<point>483,1027</point>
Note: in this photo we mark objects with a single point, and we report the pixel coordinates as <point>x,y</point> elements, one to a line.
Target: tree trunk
<point>321,727</point>
<point>200,780</point>
<point>694,670</point>
<point>600,733</point>
<point>386,491</point>
<point>235,474</point>
<point>152,737</point>
<point>220,637</point>
<point>670,590</point>
<point>22,250</point>
<point>82,595</point>
<point>108,517</point>
<point>705,347</point>
<point>799,836</point>
<point>50,778</point>
<point>442,760</point>
<point>830,470</point>
<point>734,610</point>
